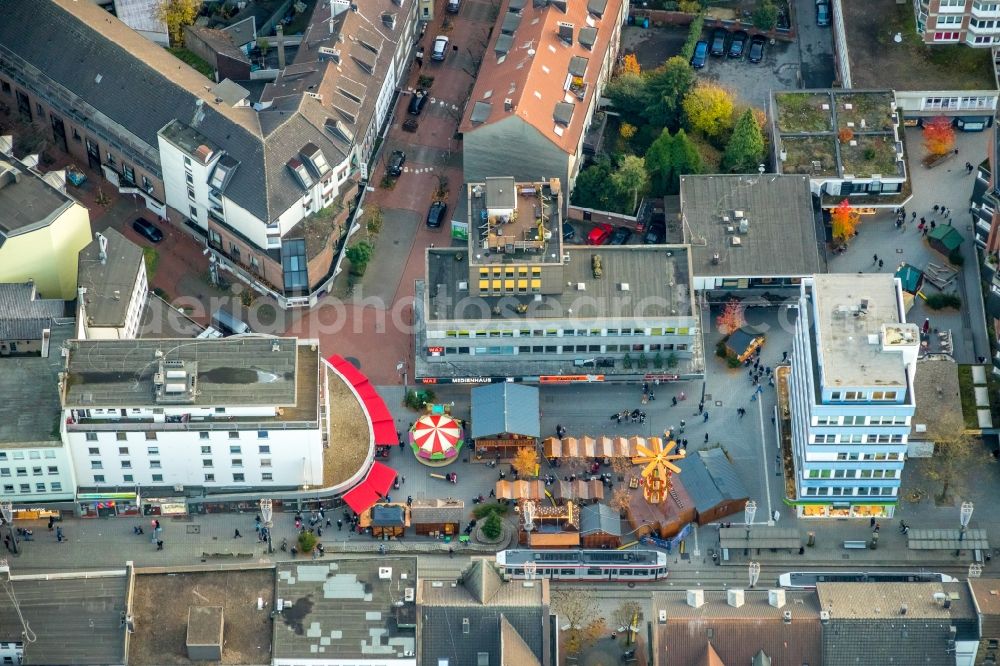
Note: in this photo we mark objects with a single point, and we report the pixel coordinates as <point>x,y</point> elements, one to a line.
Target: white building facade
<point>851,395</point>
<point>36,474</point>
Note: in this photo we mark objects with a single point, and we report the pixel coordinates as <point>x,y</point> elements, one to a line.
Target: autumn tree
<point>626,131</point>
<point>955,451</point>
<point>631,178</point>
<point>745,149</point>
<point>621,498</point>
<point>627,611</point>
<point>177,14</point>
<point>525,461</point>
<point>374,221</point>
<point>579,610</point>
<point>622,467</point>
<point>630,64</point>
<point>845,221</point>
<point>709,109</point>
<point>732,317</point>
<point>939,136</point>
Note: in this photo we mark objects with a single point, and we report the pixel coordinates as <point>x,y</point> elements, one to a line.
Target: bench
<point>856,545</point>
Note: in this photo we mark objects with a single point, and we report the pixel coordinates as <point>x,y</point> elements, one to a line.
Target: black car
<point>756,52</point>
<point>396,162</point>
<point>435,216</point>
<point>620,236</point>
<point>147,229</point>
<point>739,44</point>
<point>569,233</point>
<point>719,36</point>
<point>417,102</point>
<point>656,234</point>
<point>700,54</point>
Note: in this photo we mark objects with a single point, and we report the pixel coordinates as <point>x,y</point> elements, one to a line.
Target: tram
<point>626,566</point>
<point>807,579</point>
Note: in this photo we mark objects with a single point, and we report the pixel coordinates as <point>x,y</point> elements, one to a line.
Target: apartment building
<point>972,22</point>
<point>538,88</point>
<point>175,416</point>
<point>113,288</point>
<point>41,227</point>
<point>851,395</point>
<point>269,185</point>
<point>518,304</point>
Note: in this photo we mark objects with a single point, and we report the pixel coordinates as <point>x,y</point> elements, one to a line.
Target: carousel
<point>436,439</point>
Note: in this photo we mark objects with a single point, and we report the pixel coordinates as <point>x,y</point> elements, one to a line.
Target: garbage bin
<point>645,22</point>
<point>811,539</point>
<point>631,20</point>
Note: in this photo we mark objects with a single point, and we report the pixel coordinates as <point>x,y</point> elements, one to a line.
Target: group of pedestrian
<point>877,262</point>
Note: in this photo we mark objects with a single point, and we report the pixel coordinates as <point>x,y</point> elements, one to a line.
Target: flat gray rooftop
<point>29,395</point>
<point>847,354</point>
<point>781,239</point>
<point>656,283</point>
<point>231,371</point>
<point>110,282</point>
<point>77,620</point>
<point>346,610</point>
<point>28,202</point>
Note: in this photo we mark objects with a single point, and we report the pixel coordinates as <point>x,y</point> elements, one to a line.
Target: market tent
<point>436,436</point>
<point>374,487</point>
<point>911,278</point>
<point>383,427</point>
<point>945,238</point>
<point>742,342</point>
<point>519,490</point>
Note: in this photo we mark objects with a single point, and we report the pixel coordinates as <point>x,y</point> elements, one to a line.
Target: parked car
<point>756,52</point>
<point>569,233</point>
<point>453,6</point>
<point>822,13</point>
<point>719,36</point>
<point>738,46</point>
<point>700,54</point>
<point>396,162</point>
<point>600,234</point>
<point>655,234</point>
<point>417,102</point>
<point>440,48</point>
<point>621,236</point>
<point>146,228</point>
<point>435,216</point>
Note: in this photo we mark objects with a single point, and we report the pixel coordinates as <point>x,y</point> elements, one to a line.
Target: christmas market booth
<point>505,418</point>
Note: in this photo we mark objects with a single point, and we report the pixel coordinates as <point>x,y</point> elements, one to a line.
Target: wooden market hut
<point>600,527</point>
<point>663,520</point>
<point>945,239</point>
<point>553,526</point>
<point>713,485</point>
<point>505,418</point>
<point>437,517</point>
<point>742,343</point>
<point>386,521</point>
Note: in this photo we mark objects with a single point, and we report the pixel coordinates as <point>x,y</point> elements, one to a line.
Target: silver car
<point>440,48</point>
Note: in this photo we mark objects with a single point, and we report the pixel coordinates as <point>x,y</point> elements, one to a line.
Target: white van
<point>228,323</point>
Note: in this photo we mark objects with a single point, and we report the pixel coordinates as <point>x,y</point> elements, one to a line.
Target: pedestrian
<point>319,531</point>
<point>874,259</point>
<point>451,552</point>
<point>933,224</point>
<point>701,407</point>
<point>880,263</point>
<point>772,419</point>
<point>706,438</point>
<point>936,208</point>
<point>705,420</point>
<point>59,534</point>
<point>52,521</point>
<point>914,215</point>
<point>237,535</point>
<point>159,544</point>
<point>871,522</point>
<point>784,356</point>
<point>614,635</point>
<point>753,397</point>
<point>673,403</point>
<point>877,528</point>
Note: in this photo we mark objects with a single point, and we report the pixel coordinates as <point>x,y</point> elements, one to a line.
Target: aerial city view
<point>499,332</point>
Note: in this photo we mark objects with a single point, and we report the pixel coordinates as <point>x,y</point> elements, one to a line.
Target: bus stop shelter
<point>763,537</point>
<point>948,539</point>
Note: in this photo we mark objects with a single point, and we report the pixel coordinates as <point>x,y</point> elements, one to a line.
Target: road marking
<point>763,458</point>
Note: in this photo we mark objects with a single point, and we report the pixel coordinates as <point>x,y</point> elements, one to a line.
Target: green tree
<point>593,186</point>
<point>685,158</point>
<point>307,541</point>
<point>493,527</point>
<point>745,149</point>
<point>659,163</point>
<point>627,93</point>
<point>631,178</point>
<point>263,45</point>
<point>359,255</point>
<point>708,109</point>
<point>694,34</point>
<point>663,91</point>
<point>177,14</point>
<point>765,16</point>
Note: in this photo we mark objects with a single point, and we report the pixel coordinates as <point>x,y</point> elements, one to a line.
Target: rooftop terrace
<point>514,222</point>
<point>876,60</point>
<point>828,133</point>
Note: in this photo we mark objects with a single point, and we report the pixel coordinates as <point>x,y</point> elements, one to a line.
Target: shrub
<point>940,301</point>
<point>694,34</point>
<point>418,399</point>
<point>733,362</point>
<point>765,16</point>
<point>720,348</point>
<point>955,258</point>
<point>493,527</point>
<point>307,541</point>
<point>672,360</point>
<point>359,255</point>
<point>481,511</point>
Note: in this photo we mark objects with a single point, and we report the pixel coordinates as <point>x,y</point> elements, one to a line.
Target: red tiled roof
<point>535,71</point>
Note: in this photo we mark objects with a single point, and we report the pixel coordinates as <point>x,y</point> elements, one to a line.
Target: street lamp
<point>749,511</point>
<point>754,573</point>
<point>975,570</point>
<point>401,369</point>
<point>266,515</point>
<point>965,516</point>
<point>7,512</point>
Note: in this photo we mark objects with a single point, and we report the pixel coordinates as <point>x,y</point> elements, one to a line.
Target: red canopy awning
<point>376,485</point>
<point>383,426</point>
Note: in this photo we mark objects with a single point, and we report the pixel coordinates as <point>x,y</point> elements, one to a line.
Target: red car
<point>600,234</point>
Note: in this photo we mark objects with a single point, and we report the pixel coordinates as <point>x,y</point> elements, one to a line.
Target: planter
<point>931,161</point>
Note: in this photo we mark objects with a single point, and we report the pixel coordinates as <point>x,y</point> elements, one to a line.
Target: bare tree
<point>623,467</point>
<point>954,451</point>
<point>578,609</point>
<point>626,611</point>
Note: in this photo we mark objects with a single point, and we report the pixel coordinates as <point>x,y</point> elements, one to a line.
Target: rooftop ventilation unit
<point>735,598</point>
<point>696,598</point>
<point>385,573</point>
<point>776,598</point>
<point>787,617</point>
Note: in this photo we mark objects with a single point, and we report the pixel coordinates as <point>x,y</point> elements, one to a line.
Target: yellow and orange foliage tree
<point>630,64</point>
<point>731,319</point>
<point>845,221</point>
<point>939,136</point>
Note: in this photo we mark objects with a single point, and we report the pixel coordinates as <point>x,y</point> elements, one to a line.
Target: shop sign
<point>569,379</point>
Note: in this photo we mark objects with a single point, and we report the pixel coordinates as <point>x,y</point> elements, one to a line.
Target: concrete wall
<point>48,255</point>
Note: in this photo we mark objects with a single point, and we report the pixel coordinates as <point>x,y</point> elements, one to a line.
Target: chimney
<point>102,252</point>
<point>786,617</point>
<point>903,609</point>
<point>280,37</point>
<point>776,598</point>
<point>824,617</point>
<point>696,598</point>
<point>734,598</point>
